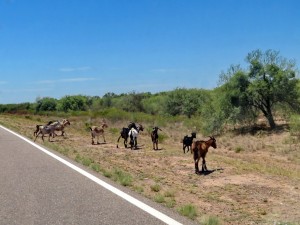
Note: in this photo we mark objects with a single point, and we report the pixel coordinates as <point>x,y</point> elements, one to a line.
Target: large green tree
<point>182,101</point>
<point>270,80</point>
<point>46,104</point>
<point>73,103</point>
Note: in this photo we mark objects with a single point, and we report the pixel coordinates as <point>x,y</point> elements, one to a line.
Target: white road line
<point>132,200</point>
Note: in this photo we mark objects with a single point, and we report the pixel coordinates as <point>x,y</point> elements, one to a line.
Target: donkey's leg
<point>38,133</point>
<point>118,141</point>
<point>93,139</point>
<point>131,142</point>
<point>50,136</point>
<point>135,142</point>
<point>204,168</point>
<point>197,171</point>
<point>125,142</point>
<point>196,159</point>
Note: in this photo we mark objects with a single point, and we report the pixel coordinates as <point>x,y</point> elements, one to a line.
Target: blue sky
<point>54,48</point>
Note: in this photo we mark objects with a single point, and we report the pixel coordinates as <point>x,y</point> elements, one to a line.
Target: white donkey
<point>133,134</point>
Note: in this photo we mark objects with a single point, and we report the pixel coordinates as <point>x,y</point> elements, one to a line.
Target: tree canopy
<point>270,80</point>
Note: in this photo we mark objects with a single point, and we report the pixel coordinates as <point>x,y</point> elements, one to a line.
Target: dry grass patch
<point>258,184</point>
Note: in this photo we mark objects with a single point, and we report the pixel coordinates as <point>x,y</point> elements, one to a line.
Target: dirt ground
<point>253,178</point>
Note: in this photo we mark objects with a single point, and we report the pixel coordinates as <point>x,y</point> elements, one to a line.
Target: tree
<point>132,102</point>
<point>270,80</point>
<point>186,102</point>
<point>46,104</point>
<point>73,103</point>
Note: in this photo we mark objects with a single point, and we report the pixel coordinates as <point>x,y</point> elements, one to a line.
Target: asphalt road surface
<point>38,186</point>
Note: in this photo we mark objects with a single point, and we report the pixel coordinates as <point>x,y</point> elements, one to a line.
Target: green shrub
<point>159,198</point>
<point>238,149</point>
<point>188,211</point>
<point>170,194</point>
<point>78,158</point>
<point>106,173</point>
<point>96,167</point>
<point>123,178</point>
<point>170,203</point>
<point>87,161</point>
<point>155,188</point>
<point>210,220</point>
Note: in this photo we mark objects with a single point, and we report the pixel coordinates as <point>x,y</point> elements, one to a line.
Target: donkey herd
<point>198,148</point>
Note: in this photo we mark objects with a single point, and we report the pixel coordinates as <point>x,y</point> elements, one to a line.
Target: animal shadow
<point>100,143</point>
<point>205,173</point>
<point>136,148</point>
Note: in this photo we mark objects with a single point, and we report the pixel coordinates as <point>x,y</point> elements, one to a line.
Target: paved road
<point>36,188</point>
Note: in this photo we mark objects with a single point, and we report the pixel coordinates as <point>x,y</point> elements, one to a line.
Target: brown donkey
<point>200,149</point>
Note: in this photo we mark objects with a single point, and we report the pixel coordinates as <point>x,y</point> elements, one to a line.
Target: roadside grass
<point>254,166</point>
<point>153,184</point>
<point>61,149</point>
<point>96,167</point>
<point>188,211</point>
<point>159,198</point>
<point>122,177</point>
<point>211,220</point>
<point>155,187</point>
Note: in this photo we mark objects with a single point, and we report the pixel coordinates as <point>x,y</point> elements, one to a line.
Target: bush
<point>96,167</point>
<point>210,220</point>
<point>238,149</point>
<point>159,198</point>
<point>122,177</point>
<point>188,211</point>
<point>155,188</point>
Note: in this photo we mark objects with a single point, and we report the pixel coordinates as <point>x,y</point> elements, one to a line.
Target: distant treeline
<point>181,101</point>
<point>268,87</point>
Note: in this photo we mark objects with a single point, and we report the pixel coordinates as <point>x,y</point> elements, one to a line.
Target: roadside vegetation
<point>253,113</point>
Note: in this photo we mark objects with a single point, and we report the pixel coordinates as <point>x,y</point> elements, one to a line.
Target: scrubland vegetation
<point>253,114</point>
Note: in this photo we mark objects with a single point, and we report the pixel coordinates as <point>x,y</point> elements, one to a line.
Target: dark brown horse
<point>154,137</point>
<point>124,134</point>
<point>200,149</point>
